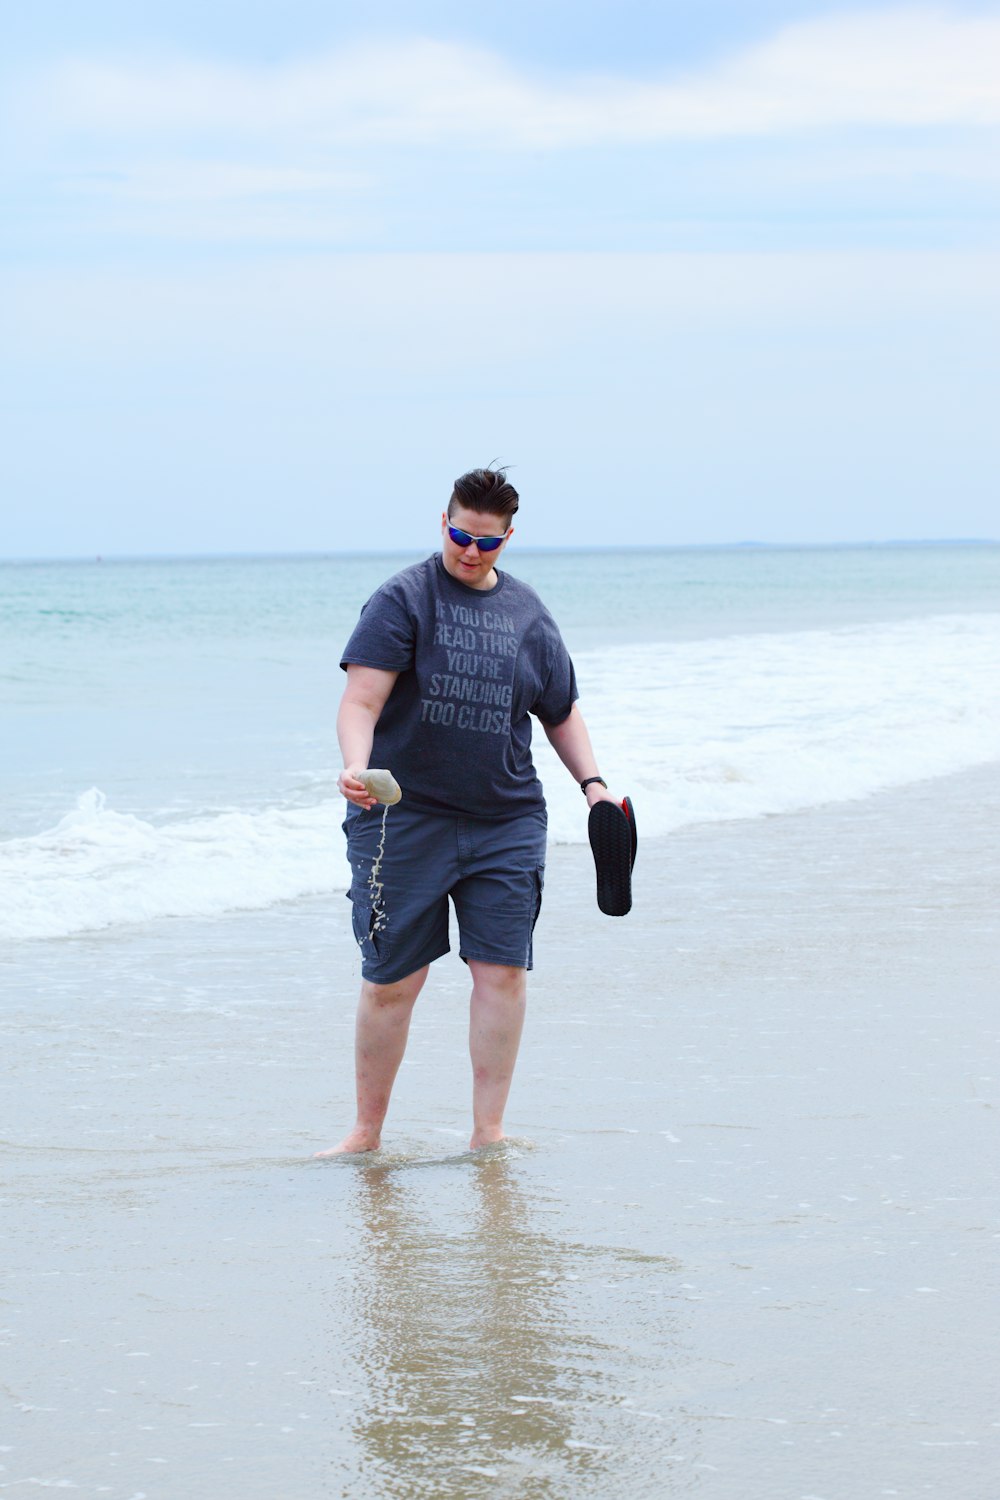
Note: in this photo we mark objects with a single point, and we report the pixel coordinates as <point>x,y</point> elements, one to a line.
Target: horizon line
<point>263,556</point>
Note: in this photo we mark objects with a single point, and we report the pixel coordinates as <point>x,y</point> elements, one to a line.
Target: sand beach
<point>741,1245</point>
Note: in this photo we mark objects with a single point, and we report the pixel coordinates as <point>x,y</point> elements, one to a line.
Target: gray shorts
<point>493,872</point>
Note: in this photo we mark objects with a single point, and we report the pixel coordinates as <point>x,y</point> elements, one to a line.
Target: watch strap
<point>590,780</point>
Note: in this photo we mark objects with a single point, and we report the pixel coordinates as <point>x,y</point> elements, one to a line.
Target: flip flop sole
<point>611,842</point>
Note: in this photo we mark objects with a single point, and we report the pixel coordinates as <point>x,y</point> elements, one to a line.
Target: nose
<point>471,553</point>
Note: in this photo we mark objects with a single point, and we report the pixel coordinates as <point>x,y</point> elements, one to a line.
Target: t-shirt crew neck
<point>455,730</point>
<point>467,587</point>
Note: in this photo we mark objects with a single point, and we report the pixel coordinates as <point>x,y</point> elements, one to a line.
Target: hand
<point>597,793</point>
<point>353,789</point>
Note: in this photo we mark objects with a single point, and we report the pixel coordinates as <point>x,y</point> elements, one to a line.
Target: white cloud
<point>907,67</point>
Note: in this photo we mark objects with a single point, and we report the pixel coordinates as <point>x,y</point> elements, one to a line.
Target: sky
<point>273,275</point>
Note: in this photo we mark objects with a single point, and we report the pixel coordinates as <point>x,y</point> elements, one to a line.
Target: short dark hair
<point>485,491</point>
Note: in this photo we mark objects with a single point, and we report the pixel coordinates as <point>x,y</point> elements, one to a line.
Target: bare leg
<point>496,1016</point>
<point>383,1025</point>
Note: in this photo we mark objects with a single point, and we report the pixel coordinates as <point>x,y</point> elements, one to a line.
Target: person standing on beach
<point>447,663</point>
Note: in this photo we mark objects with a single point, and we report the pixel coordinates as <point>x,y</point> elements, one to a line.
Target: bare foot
<point>352,1145</point>
<point>486,1137</point>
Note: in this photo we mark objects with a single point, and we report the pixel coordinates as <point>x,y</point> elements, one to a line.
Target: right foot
<point>352,1145</point>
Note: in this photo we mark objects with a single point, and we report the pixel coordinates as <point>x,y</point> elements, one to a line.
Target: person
<point>448,662</point>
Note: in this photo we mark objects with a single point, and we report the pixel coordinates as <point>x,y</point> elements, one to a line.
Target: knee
<point>500,982</point>
<point>401,993</point>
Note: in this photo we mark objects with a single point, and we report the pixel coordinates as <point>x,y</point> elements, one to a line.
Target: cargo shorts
<point>493,871</point>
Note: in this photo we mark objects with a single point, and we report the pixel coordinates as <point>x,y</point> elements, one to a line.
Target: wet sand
<point>743,1244</point>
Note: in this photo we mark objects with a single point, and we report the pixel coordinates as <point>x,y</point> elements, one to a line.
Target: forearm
<point>355,732</point>
<point>571,742</point>
<point>365,696</point>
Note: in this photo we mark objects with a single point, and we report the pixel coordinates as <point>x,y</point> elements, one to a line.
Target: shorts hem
<point>492,958</point>
<point>408,968</point>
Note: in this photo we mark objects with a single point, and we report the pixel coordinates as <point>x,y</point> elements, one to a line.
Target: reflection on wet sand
<point>478,1375</point>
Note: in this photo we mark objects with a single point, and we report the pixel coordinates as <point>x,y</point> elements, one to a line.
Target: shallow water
<point>742,1245</point>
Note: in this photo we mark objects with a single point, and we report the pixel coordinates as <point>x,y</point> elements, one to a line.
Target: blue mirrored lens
<point>485,543</point>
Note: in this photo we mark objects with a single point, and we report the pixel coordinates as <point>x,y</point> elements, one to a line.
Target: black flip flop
<point>629,812</point>
<point>611,832</point>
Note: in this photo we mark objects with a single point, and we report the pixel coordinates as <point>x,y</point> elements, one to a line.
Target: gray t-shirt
<point>472,666</point>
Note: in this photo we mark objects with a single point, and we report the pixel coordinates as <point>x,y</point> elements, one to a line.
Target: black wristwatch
<point>590,780</point>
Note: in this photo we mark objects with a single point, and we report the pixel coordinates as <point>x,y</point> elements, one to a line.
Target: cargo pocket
<point>539,888</point>
<point>370,926</point>
<point>536,899</point>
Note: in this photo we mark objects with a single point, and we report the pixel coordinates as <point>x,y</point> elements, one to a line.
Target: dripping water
<point>379,919</point>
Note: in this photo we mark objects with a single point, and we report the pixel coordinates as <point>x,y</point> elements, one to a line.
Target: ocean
<point>169,746</point>
<point>741,1241</point>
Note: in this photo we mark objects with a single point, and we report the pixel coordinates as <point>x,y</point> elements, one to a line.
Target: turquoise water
<point>629,594</point>
<point>151,703</point>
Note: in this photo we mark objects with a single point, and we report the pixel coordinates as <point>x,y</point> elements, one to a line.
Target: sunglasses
<point>484,543</point>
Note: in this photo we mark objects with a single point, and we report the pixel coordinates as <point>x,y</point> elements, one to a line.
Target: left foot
<point>352,1145</point>
<point>482,1138</point>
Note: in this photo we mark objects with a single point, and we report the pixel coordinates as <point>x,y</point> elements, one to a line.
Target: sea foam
<point>695,731</point>
<point>742,726</point>
<point>98,868</point>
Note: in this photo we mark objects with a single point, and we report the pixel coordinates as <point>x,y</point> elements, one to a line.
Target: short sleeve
<point>557,680</point>
<point>384,635</point>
